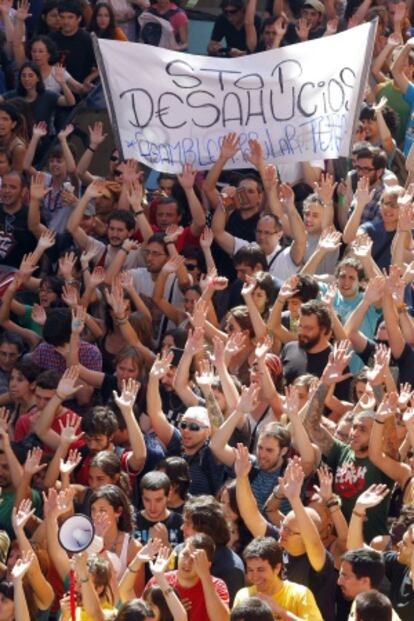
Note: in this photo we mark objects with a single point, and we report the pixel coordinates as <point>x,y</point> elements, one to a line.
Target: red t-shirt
<point>185,239</point>
<point>195,594</point>
<point>81,475</point>
<point>25,423</point>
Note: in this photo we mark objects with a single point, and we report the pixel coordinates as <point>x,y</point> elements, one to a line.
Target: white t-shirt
<point>133,259</point>
<point>281,267</point>
<point>144,285</point>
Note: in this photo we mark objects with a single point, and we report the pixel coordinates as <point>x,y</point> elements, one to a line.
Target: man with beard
<point>353,471</point>
<point>158,249</point>
<point>310,353</point>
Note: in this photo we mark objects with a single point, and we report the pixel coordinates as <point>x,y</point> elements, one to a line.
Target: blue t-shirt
<point>409,134</point>
<point>382,240</point>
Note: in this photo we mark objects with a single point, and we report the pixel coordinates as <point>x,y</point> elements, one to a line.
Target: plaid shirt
<point>47,357</point>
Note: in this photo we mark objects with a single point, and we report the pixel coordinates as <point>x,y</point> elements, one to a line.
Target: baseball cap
<point>315,4</point>
<point>197,414</point>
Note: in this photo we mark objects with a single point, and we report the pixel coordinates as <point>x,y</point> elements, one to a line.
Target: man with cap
<point>310,25</point>
<point>191,439</point>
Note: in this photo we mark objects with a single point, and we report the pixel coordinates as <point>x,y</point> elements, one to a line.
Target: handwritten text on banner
<point>299,101</point>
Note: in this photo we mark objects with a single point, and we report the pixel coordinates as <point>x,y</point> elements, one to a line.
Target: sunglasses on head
<point>191,426</point>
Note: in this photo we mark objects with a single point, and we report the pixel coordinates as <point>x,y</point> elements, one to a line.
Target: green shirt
<point>6,506</point>
<point>26,320</point>
<point>352,476</point>
<point>396,101</point>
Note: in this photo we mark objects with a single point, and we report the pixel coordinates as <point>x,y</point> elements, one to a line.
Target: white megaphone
<point>76,533</point>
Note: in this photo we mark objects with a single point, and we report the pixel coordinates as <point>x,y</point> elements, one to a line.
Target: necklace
<point>112,546</point>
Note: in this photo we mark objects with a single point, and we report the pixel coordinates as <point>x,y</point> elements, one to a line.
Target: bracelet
<point>124,249</point>
<point>334,502</point>
<point>121,322</point>
<point>379,422</point>
<point>138,213</point>
<point>358,514</point>
<point>133,571</point>
<point>84,580</point>
<point>168,591</point>
<point>90,149</point>
<point>169,242</point>
<point>59,397</point>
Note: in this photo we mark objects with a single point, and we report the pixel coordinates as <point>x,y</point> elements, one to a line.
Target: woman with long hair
<point>104,24</point>
<point>11,142</point>
<point>31,88</point>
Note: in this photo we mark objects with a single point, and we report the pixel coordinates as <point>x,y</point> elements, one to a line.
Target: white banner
<point>300,101</point>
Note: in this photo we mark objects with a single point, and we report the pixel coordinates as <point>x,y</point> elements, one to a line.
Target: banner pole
<point>108,96</point>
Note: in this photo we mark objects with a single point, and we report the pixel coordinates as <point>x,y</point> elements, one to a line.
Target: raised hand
<point>199,314</point>
<point>374,291</point>
<point>263,347</point>
<point>173,232</point>
<point>330,240</point>
<point>160,565</point>
<point>173,264</point>
<point>286,194</point>
<point>96,135</point>
<point>242,464</point>
<point>293,479</point>
<point>249,399</point>
<point>408,416</point>
<point>187,177</point>
<point>405,394</point>
<point>249,286</point>
<point>291,405</point>
<point>161,365</point>
<point>388,407</point>
<point>40,129</point>
<point>149,550</point>
<point>338,360</point>
<point>22,11</point>
<point>32,464</point>
<point>270,180</point>
<point>69,431</point>
<point>116,301</point>
<point>66,131</point>
<point>406,215</point>
<point>22,515</point>
<point>101,523</point>
<point>47,239</point>
<point>302,29</point>
<point>67,264</point>
<point>22,566</point>
<point>363,194</point>
<point>59,74</point>
<point>332,26</point>
<point>5,419</point>
<point>129,171</point>
<point>206,376</point>
<point>73,460</point>
<point>230,146</point>
<point>376,375</point>
<point>325,188</point>
<point>195,341</point>
<point>329,296</point>
<point>135,193</point>
<point>255,155</point>
<point>126,400</point>
<point>206,238</point>
<point>96,189</point>
<point>235,344</point>
<point>67,384</point>
<point>372,496</point>
<point>288,289</point>
<point>201,563</point>
<point>70,296</point>
<point>325,483</point>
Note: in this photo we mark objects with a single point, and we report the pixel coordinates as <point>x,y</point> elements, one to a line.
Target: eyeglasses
<point>153,253</point>
<point>231,11</point>
<point>191,426</point>
<point>260,232</point>
<point>288,530</point>
<point>190,266</point>
<point>364,169</point>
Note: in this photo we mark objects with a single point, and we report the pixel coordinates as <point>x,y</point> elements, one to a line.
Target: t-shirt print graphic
<point>349,479</point>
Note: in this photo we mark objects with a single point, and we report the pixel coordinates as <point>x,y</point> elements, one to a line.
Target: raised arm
<point>222,237</point>
<point>125,401</point>
<point>160,424</point>
<point>329,241</point>
<point>370,498</point>
<point>94,190</point>
<point>398,68</point>
<point>229,148</point>
<point>251,33</point>
<point>96,138</point>
<point>395,338</point>
<point>293,479</point>
<point>198,216</point>
<point>362,197</point>
<point>193,346</point>
<point>259,326</point>
<point>246,502</point>
<point>275,326</point>
<point>300,436</point>
<point>296,225</point>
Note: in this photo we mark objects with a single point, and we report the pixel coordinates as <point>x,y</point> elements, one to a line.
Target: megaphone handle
<point>72,596</point>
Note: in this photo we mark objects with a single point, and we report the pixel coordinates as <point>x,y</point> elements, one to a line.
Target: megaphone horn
<point>76,533</point>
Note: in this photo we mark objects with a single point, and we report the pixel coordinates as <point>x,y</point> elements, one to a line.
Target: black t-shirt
<point>245,229</point>
<point>291,35</point>
<point>401,590</point>
<point>297,361</point>
<point>172,523</point>
<point>15,238</point>
<point>406,364</point>
<point>294,5</point>
<point>322,583</point>
<point>234,37</point>
<point>43,108</point>
<point>75,53</point>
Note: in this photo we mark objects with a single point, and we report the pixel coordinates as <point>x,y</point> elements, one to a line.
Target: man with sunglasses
<point>191,439</point>
<point>231,27</point>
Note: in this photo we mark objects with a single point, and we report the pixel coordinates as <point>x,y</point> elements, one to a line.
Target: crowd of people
<point>216,371</point>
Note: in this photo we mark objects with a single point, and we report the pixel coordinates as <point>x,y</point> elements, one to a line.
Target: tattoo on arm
<point>214,413</point>
<point>312,420</point>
